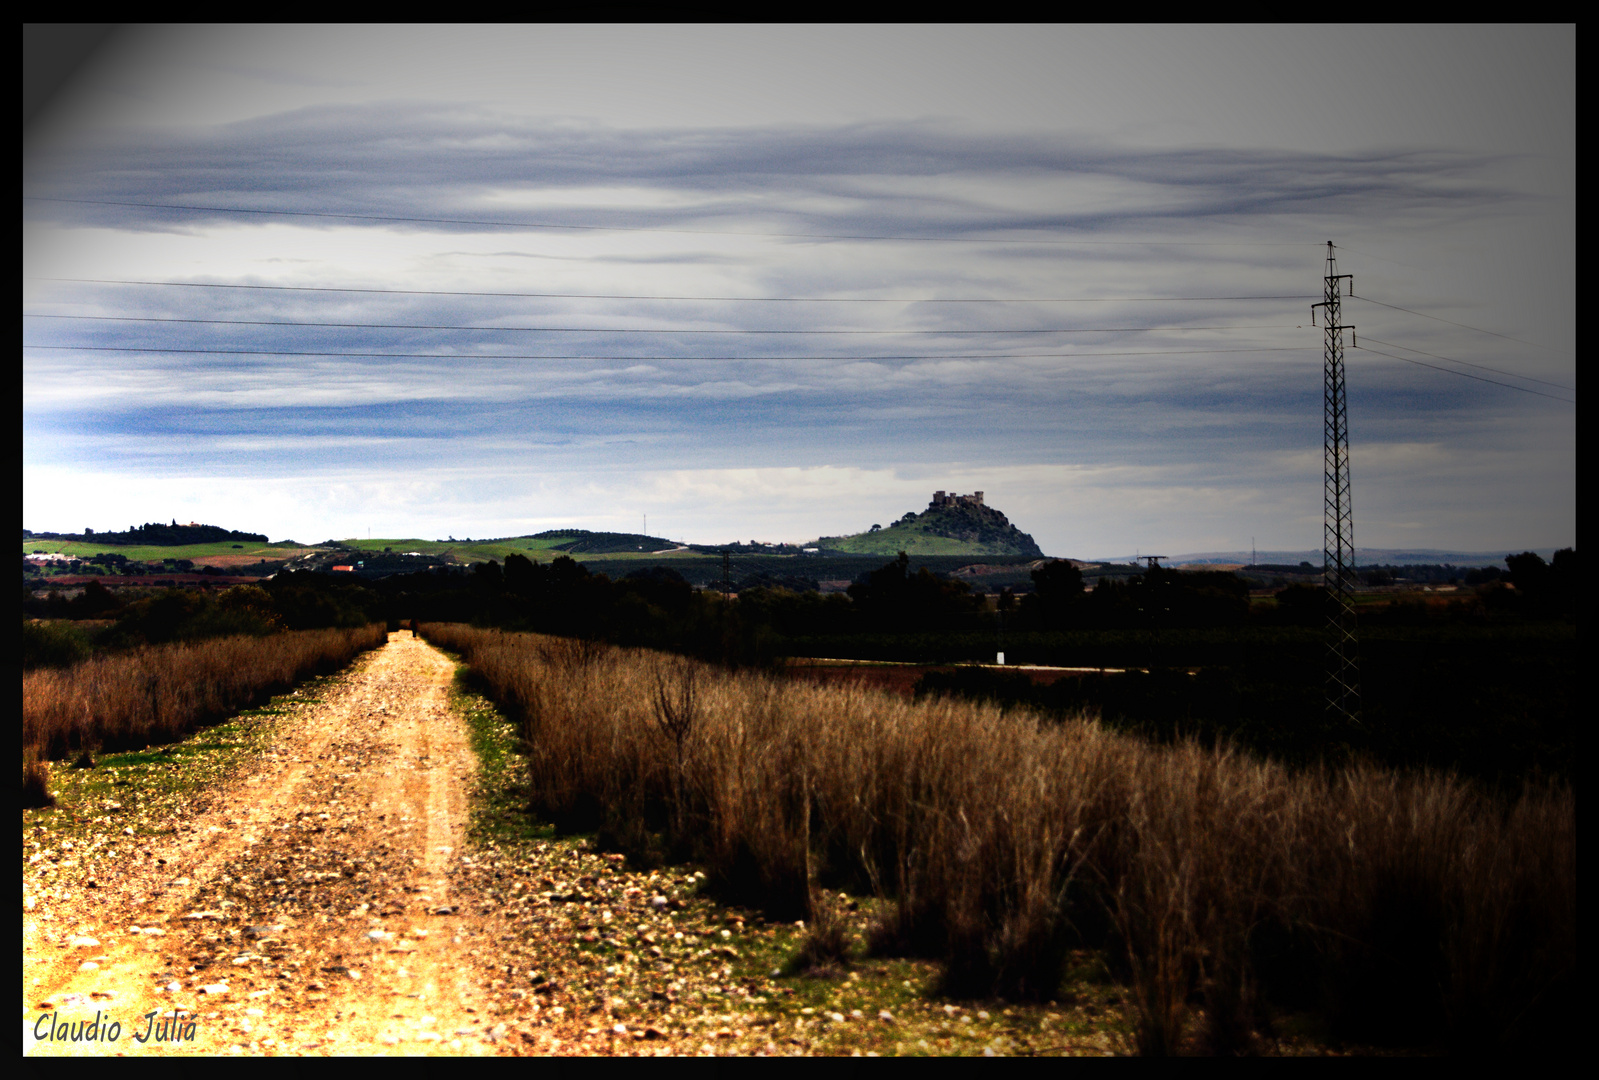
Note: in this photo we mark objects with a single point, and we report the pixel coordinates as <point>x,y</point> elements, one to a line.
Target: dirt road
<point>313,910</point>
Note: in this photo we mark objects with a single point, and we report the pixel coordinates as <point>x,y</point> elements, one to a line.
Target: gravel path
<point>313,910</point>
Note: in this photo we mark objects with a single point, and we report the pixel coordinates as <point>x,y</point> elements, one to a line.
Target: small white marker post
<point>1000,659</point>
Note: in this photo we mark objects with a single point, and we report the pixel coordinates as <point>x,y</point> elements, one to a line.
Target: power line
<point>608,357</point>
<point>1468,363</point>
<point>644,296</point>
<point>1452,322</point>
<point>657,229</point>
<point>631,330</point>
<point>1466,375</point>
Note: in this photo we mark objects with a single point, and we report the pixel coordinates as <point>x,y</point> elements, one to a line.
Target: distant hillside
<point>583,542</point>
<point>155,534</point>
<point>951,525</point>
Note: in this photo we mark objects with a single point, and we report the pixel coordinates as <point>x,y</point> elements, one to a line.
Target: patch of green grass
<point>499,813</point>
<point>925,1022</point>
<point>134,758</point>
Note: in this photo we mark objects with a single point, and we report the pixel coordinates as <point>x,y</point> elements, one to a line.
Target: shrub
<point>158,693</point>
<point>35,781</point>
<point>52,644</point>
<point>824,950</point>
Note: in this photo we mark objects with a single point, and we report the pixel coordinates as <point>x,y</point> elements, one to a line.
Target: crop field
<point>200,553</point>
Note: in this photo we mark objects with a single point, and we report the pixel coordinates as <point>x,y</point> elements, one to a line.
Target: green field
<point>539,548</point>
<point>426,547</point>
<point>152,552</point>
<point>891,541</point>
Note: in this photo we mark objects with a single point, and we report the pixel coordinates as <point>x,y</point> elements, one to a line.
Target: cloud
<point>467,169</point>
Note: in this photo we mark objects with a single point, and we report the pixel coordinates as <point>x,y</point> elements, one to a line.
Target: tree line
<point>656,607</point>
<point>1482,681</point>
<point>155,533</point>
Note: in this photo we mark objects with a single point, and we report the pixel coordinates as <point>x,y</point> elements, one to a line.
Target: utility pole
<point>999,631</point>
<point>1338,524</point>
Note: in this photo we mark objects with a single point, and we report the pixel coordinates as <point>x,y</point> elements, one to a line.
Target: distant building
<point>951,499</point>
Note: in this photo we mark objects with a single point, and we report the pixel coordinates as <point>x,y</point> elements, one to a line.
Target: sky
<point>779,282</point>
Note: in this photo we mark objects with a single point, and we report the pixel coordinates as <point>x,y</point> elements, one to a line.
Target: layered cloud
<point>473,170</point>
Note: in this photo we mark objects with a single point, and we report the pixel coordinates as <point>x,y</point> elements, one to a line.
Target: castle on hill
<point>952,499</point>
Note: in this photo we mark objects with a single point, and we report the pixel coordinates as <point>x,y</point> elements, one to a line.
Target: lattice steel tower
<point>1338,528</point>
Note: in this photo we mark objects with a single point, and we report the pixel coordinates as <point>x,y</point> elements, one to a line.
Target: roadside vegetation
<point>700,976</point>
<point>113,673</point>
<point>1233,898</point>
<point>156,694</point>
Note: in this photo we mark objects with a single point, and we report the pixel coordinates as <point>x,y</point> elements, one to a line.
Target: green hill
<point>951,525</point>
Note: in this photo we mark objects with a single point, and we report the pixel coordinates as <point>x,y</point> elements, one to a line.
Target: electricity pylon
<point>1338,525</point>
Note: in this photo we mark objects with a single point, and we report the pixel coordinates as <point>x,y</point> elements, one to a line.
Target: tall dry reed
<point>158,693</point>
<point>1223,887</point>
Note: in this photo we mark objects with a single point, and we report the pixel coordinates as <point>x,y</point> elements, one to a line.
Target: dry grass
<point>35,781</point>
<point>159,693</point>
<point>825,948</point>
<point>1411,908</point>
